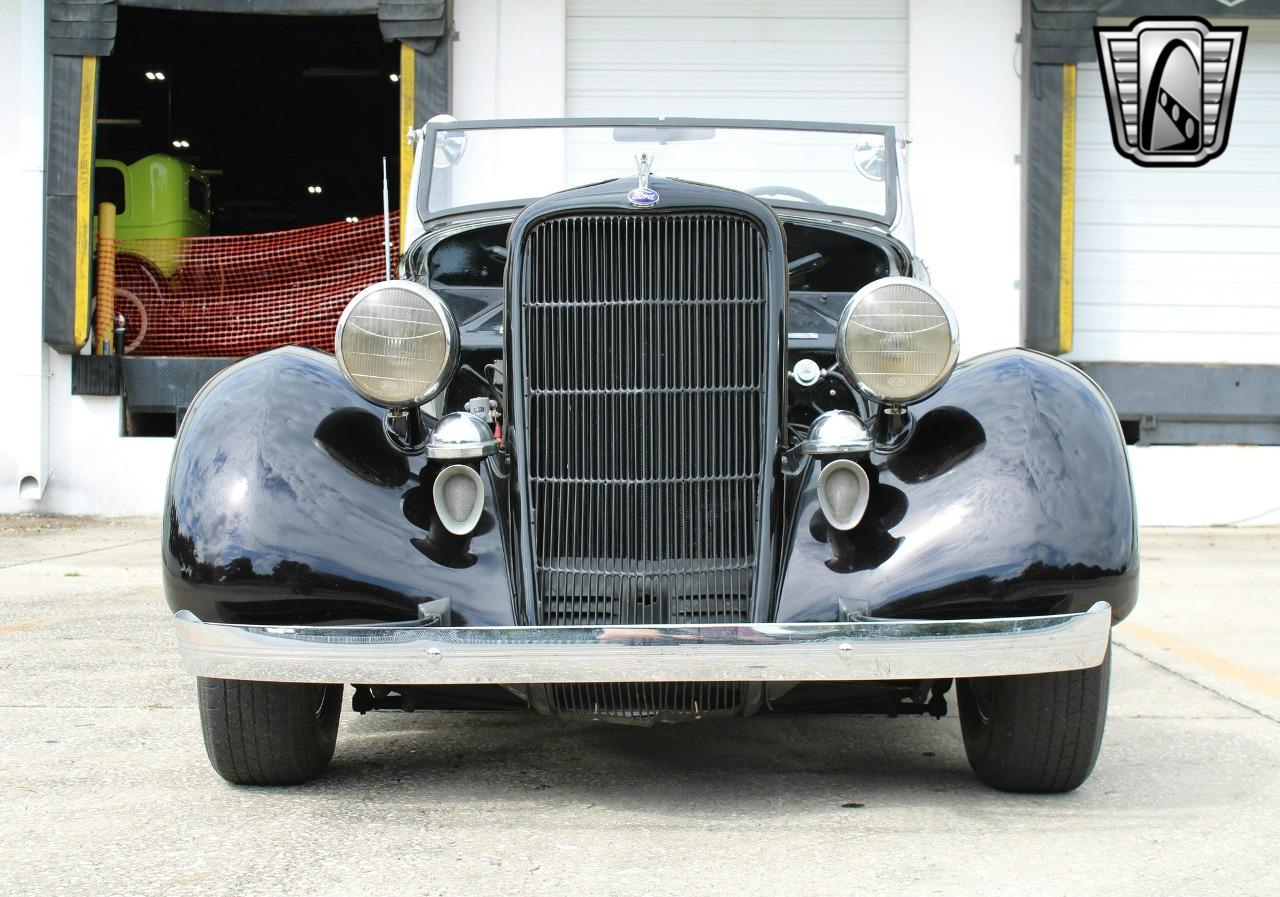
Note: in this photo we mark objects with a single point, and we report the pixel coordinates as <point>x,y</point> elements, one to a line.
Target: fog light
<point>843,493</point>
<point>459,498</point>
<point>459,435</point>
<point>837,433</point>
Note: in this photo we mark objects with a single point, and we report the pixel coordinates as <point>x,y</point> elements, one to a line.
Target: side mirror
<point>450,145</point>
<point>868,157</point>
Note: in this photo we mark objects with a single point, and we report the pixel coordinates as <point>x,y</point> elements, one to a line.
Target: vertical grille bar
<point>643,338</point>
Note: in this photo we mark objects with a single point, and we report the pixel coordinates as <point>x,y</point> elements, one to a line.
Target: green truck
<point>159,196</point>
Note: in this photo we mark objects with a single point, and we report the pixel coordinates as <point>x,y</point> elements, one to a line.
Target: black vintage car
<point>686,439</point>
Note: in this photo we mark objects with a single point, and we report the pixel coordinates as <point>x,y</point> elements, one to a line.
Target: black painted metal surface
<point>1010,496</point>
<point>162,384</point>
<point>95,375</point>
<point>287,504</point>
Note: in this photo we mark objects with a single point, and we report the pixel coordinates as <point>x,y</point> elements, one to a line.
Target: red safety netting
<point>233,296</point>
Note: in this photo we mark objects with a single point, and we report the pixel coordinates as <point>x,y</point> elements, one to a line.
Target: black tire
<point>1037,734</point>
<point>268,733</point>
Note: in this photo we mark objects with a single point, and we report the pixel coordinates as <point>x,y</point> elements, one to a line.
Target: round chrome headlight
<point>898,340</point>
<point>397,344</point>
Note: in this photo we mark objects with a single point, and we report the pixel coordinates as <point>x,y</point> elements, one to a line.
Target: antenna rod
<point>386,219</point>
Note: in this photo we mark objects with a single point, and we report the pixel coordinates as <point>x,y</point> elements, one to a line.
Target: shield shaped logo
<point>1170,84</point>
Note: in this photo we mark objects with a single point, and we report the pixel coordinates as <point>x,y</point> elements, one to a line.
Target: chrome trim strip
<point>863,650</point>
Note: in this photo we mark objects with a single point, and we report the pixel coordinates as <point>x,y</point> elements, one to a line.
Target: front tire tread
<point>268,733</point>
<point>1044,730</point>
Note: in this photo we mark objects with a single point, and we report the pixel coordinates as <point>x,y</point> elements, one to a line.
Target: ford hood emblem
<point>643,197</point>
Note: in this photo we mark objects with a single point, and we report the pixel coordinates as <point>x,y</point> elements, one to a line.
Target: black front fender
<point>1012,496</point>
<point>287,504</point>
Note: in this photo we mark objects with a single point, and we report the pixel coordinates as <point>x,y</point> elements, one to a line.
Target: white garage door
<point>1182,265</point>
<point>816,60</point>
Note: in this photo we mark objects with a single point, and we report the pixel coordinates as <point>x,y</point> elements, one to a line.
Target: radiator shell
<point>627,544</point>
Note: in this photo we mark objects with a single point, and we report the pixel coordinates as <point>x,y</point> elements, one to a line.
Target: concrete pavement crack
<point>1185,678</point>
<point>75,554</point>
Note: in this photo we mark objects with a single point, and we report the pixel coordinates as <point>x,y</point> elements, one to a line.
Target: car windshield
<point>850,168</point>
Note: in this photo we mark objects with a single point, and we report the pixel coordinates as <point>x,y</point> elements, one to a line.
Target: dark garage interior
<point>267,106</point>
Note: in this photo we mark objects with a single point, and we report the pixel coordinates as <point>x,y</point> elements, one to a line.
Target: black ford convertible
<point>661,420</point>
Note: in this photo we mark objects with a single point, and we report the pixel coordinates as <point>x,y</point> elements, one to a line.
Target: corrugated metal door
<point>820,60</point>
<point>1182,264</point>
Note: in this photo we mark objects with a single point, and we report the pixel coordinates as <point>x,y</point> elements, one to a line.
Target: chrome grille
<point>644,355</point>
<point>647,700</point>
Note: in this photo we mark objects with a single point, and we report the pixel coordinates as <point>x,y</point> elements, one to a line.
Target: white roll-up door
<point>1182,264</point>
<point>818,60</point>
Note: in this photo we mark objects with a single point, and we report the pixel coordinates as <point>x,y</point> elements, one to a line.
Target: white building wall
<point>23,358</point>
<point>965,123</point>
<point>92,468</point>
<point>798,60</point>
<point>508,61</point>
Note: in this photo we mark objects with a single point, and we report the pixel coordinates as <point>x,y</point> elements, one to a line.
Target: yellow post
<point>1067,224</point>
<point>104,321</point>
<point>408,56</point>
<point>84,196</point>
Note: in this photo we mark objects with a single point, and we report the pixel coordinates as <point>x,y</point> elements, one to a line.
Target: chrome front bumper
<point>423,655</point>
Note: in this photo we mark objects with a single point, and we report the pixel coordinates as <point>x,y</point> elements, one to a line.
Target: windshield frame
<point>429,131</point>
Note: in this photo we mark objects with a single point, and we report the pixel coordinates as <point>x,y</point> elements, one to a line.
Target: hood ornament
<point>643,196</point>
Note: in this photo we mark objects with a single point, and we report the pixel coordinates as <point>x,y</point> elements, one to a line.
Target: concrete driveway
<point>104,787</point>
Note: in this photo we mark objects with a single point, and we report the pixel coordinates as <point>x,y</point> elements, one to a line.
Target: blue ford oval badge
<point>643,197</point>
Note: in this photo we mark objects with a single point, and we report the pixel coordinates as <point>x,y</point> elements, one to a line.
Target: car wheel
<point>1038,733</point>
<point>268,733</point>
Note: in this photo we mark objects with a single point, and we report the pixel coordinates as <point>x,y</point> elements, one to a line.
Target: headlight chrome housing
<point>898,339</point>
<point>397,343</point>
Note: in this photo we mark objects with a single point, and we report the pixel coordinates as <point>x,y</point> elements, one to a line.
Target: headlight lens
<point>397,343</point>
<point>898,340</point>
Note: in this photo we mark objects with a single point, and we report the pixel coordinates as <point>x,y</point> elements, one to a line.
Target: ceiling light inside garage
<point>394,78</point>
